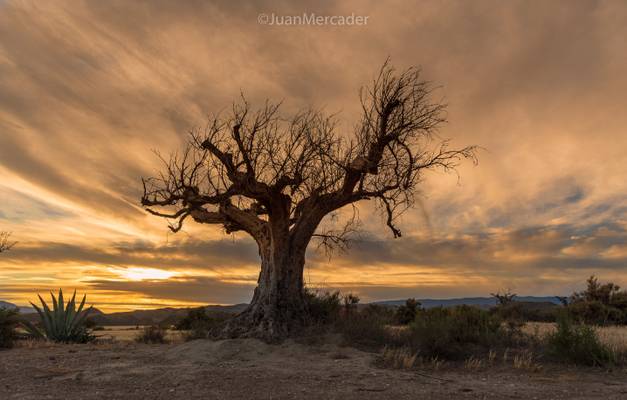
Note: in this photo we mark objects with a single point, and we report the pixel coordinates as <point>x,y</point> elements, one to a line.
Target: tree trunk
<point>278,304</point>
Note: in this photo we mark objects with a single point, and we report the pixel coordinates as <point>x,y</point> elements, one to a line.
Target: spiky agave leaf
<point>79,318</point>
<point>64,323</point>
<point>47,315</point>
<point>70,309</point>
<point>61,317</point>
<point>55,316</point>
<point>32,330</point>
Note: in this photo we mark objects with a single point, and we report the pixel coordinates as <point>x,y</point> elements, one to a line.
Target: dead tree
<point>276,179</point>
<point>5,241</point>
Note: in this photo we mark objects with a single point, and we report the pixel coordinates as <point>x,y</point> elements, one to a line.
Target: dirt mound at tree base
<point>220,350</point>
<point>253,350</point>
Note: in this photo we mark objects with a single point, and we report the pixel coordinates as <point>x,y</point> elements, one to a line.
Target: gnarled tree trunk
<point>278,305</point>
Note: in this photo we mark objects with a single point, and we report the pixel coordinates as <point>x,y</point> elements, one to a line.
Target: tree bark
<point>278,304</point>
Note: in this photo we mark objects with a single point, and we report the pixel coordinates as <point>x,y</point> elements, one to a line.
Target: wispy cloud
<point>89,89</point>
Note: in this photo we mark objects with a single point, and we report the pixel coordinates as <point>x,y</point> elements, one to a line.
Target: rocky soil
<point>245,369</point>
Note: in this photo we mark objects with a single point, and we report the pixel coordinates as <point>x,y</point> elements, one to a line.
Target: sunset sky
<point>89,89</point>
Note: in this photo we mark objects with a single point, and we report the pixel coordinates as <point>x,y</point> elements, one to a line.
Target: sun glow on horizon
<point>143,274</point>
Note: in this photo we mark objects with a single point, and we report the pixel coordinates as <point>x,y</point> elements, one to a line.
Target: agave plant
<point>64,323</point>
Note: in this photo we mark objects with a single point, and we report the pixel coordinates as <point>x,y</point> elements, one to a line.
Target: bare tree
<point>504,298</point>
<point>276,179</point>
<point>5,241</point>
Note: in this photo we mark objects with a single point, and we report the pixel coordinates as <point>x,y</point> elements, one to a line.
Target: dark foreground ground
<point>248,369</point>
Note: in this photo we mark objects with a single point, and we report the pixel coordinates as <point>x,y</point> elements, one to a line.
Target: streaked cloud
<point>88,89</point>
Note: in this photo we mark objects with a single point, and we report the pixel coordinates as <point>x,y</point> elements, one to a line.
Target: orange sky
<point>89,89</point>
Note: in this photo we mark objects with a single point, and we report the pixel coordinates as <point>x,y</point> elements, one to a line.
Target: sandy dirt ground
<point>248,369</point>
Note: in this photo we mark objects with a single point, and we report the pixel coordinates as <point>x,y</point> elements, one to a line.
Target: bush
<point>350,304</point>
<point>384,314</point>
<point>8,323</point>
<point>595,312</point>
<point>366,329</point>
<point>599,304</point>
<point>152,335</point>
<point>407,312</point>
<point>522,311</point>
<point>454,333</point>
<point>579,344</point>
<point>322,307</point>
<point>200,325</point>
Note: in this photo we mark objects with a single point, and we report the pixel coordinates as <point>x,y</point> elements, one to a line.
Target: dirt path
<point>246,369</point>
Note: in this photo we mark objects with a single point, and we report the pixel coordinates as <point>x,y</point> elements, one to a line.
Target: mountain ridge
<point>167,314</point>
<point>484,302</point>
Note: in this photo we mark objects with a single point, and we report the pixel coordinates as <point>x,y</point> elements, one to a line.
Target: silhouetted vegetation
<point>8,324</point>
<point>578,344</point>
<point>5,241</point>
<point>454,333</point>
<point>322,307</point>
<point>504,298</point>
<point>457,333</point>
<point>65,323</point>
<point>520,312</point>
<point>407,312</point>
<point>599,304</point>
<point>198,324</point>
<point>362,329</point>
<point>153,334</point>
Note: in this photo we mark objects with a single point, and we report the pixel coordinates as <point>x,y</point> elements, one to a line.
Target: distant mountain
<point>6,304</point>
<point>23,310</point>
<point>483,302</point>
<point>167,316</point>
<point>170,315</point>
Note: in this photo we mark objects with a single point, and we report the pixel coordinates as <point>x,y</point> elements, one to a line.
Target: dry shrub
<point>526,361</point>
<point>579,344</point>
<point>473,363</point>
<point>454,333</point>
<point>398,358</point>
<point>152,335</point>
<point>8,324</point>
<point>366,331</point>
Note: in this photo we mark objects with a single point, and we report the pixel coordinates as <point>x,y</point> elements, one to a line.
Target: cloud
<point>193,289</point>
<point>89,89</point>
<point>189,254</point>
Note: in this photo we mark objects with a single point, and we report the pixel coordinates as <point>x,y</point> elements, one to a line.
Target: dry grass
<point>128,334</point>
<point>402,358</point>
<point>613,336</point>
<point>526,361</point>
<point>473,363</point>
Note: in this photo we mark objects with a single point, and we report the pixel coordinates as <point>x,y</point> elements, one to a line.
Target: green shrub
<point>579,344</point>
<point>198,324</point>
<point>362,329</point>
<point>599,303</point>
<point>594,312</point>
<point>350,304</point>
<point>152,335</point>
<point>64,323</point>
<point>525,311</point>
<point>406,313</point>
<point>385,314</point>
<point>454,333</point>
<point>8,323</point>
<point>322,307</point>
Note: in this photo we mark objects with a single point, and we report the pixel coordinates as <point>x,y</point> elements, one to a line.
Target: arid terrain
<point>244,369</point>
